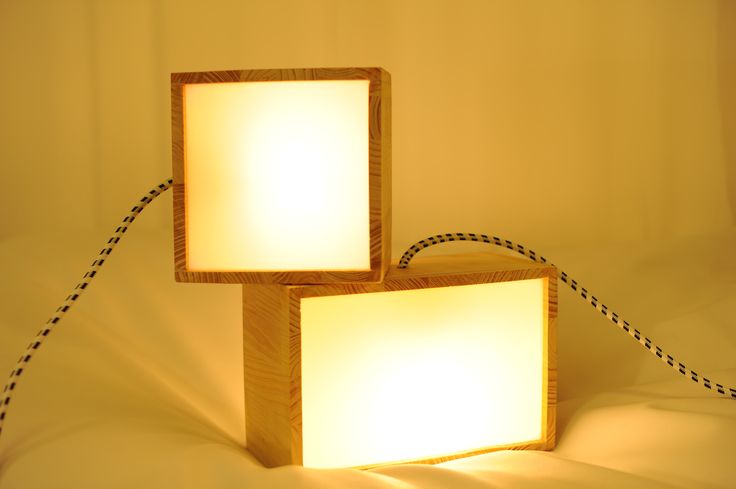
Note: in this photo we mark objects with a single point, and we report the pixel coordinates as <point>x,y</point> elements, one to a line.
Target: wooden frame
<point>379,161</point>
<point>272,347</point>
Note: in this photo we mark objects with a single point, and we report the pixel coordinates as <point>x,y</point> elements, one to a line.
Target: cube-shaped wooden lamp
<point>282,176</point>
<point>450,357</point>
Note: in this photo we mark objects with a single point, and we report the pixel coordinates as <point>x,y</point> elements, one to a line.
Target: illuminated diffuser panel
<point>282,176</point>
<point>451,357</point>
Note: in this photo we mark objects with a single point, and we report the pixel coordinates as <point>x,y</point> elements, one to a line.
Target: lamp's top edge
<point>481,262</point>
<point>285,74</point>
<point>439,271</point>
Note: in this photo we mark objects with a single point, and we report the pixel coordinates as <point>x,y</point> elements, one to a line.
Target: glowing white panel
<point>394,376</point>
<point>277,175</point>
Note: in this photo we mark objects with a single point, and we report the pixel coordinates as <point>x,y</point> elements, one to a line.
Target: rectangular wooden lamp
<point>282,176</point>
<point>450,357</point>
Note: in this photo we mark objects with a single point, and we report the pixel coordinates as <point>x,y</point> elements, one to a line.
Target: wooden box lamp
<point>282,176</point>
<point>282,184</point>
<point>451,357</point>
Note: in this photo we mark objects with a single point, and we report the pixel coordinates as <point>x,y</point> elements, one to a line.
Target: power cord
<point>72,298</point>
<point>580,290</point>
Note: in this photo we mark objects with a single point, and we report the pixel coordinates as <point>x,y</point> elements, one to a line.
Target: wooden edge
<point>486,261</point>
<point>177,132</point>
<point>177,162</point>
<point>386,168</point>
<point>447,280</point>
<point>550,380</point>
<point>279,278</point>
<point>295,377</point>
<point>268,374</point>
<point>379,175</point>
<point>279,74</point>
<point>530,445</point>
<point>180,224</point>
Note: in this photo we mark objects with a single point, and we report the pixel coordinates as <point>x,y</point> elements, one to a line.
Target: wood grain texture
<point>541,445</point>
<point>379,178</point>
<point>424,272</point>
<point>180,218</point>
<point>550,380</point>
<point>442,271</point>
<point>267,361</point>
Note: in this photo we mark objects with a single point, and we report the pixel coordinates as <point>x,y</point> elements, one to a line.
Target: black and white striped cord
<point>582,292</point>
<point>72,298</point>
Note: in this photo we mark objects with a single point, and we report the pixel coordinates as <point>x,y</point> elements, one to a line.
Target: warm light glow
<point>393,376</point>
<point>277,175</point>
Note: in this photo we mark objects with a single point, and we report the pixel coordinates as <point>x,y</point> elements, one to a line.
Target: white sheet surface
<point>141,385</point>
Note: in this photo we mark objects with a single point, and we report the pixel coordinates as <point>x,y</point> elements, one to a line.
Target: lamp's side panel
<point>295,374</point>
<point>386,151</point>
<point>551,359</point>
<point>177,158</point>
<point>180,233</point>
<point>267,373</point>
<point>177,130</point>
<point>379,172</point>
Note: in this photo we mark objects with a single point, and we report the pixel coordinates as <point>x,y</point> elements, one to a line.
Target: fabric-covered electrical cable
<point>72,298</point>
<point>582,292</point>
